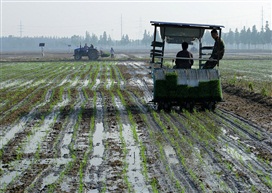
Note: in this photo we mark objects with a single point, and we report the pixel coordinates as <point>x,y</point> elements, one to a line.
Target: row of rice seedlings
<point>108,77</point>
<point>19,157</point>
<point>25,108</point>
<point>135,136</point>
<point>83,164</point>
<point>109,82</point>
<point>113,77</point>
<point>86,71</point>
<point>36,160</point>
<point>204,139</point>
<point>34,101</point>
<point>58,139</point>
<point>124,149</point>
<point>203,133</point>
<point>246,128</point>
<point>10,86</point>
<point>247,164</point>
<point>37,75</point>
<point>130,116</point>
<point>37,154</point>
<point>16,69</point>
<point>174,143</point>
<point>237,156</point>
<point>55,98</point>
<point>156,139</point>
<point>21,95</point>
<point>105,74</point>
<point>93,75</point>
<point>74,160</point>
<point>120,78</point>
<point>242,135</point>
<point>16,97</point>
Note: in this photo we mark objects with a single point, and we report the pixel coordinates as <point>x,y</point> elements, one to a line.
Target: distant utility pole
<point>121,27</point>
<point>21,29</point>
<point>262,20</point>
<point>140,28</point>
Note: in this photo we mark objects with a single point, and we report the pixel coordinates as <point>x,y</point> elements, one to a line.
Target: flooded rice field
<point>89,127</point>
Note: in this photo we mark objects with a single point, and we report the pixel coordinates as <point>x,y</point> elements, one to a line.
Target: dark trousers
<point>209,64</point>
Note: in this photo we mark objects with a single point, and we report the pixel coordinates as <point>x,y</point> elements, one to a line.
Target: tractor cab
<point>183,87</point>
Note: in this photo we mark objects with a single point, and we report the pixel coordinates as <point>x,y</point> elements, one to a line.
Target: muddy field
<point>89,127</point>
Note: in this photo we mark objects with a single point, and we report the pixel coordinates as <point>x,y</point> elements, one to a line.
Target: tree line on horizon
<point>246,38</point>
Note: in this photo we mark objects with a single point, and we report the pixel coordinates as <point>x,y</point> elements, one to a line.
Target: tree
<point>87,37</point>
<point>147,38</point>
<point>267,34</point>
<point>248,38</point>
<point>94,39</point>
<point>230,38</point>
<point>104,38</point>
<point>237,38</point>
<point>125,40</point>
<point>254,37</point>
<point>75,40</point>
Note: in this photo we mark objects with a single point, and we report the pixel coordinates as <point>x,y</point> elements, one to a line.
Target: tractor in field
<point>92,53</point>
<point>185,88</point>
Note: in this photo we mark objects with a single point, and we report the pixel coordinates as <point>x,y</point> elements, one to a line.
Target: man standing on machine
<point>218,51</point>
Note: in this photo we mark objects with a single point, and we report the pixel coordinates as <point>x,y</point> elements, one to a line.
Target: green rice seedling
<point>154,185</point>
<point>250,86</point>
<point>268,181</point>
<point>37,153</point>
<point>1,152</point>
<point>253,188</point>
<point>19,153</point>
<point>144,160</point>
<point>264,92</point>
<point>233,80</point>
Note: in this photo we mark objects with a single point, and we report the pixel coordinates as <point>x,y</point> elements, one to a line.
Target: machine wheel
<point>159,106</point>
<point>212,106</point>
<point>167,107</point>
<point>164,105</point>
<point>189,106</point>
<point>77,57</point>
<point>93,54</point>
<point>209,106</point>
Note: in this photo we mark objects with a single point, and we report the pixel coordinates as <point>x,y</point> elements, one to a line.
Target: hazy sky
<point>67,18</point>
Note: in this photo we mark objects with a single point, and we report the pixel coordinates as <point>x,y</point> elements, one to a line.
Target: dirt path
<point>94,130</point>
